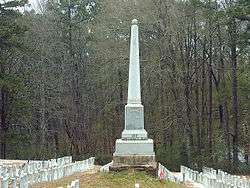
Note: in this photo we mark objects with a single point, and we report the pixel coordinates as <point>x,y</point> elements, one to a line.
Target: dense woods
<point>64,74</point>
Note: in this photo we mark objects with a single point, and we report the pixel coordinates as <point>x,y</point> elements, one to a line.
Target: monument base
<point>140,134</point>
<point>135,154</point>
<point>134,147</point>
<point>133,160</point>
<point>150,169</point>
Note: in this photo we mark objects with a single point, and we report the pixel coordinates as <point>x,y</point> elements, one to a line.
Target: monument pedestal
<point>136,162</point>
<point>139,134</point>
<point>134,147</point>
<point>136,154</point>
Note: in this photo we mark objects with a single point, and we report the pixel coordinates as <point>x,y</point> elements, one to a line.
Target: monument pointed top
<point>134,22</point>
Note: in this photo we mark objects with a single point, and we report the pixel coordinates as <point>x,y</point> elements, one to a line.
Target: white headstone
<point>13,182</point>
<point>137,185</point>
<point>5,182</point>
<point>77,183</point>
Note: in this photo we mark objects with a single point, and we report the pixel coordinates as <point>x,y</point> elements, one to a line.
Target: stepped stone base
<point>137,162</point>
<point>149,169</point>
<point>134,154</point>
<point>134,160</point>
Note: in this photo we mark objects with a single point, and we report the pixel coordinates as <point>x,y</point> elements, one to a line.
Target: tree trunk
<point>210,91</point>
<point>233,57</point>
<point>224,118</point>
<point>42,110</point>
<point>197,97</point>
<point>203,97</point>
<point>3,123</point>
<point>3,116</point>
<point>76,95</point>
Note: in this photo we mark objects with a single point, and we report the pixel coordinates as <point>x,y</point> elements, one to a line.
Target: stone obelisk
<point>134,148</point>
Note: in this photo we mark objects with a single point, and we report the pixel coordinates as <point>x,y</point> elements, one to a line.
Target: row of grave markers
<point>41,171</point>
<point>16,170</point>
<point>211,178</point>
<point>17,174</point>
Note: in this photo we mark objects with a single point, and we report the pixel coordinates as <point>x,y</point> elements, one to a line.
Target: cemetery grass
<point>125,179</point>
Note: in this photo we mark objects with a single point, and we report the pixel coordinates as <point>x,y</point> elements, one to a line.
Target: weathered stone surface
<point>134,123</point>
<point>134,111</point>
<point>134,134</point>
<point>134,87</point>
<point>4,183</point>
<point>150,169</point>
<point>133,160</point>
<point>134,147</point>
<point>134,117</point>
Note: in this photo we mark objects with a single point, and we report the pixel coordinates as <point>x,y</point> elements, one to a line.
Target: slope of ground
<point>96,179</point>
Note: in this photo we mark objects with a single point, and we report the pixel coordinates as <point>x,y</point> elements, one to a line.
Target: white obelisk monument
<point>134,148</point>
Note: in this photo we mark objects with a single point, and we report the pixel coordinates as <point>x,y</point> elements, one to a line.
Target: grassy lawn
<point>125,179</point>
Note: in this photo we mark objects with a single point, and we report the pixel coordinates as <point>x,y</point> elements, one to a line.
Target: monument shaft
<point>134,111</point>
<point>134,86</point>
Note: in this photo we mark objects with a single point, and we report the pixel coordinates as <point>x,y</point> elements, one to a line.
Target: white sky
<point>33,3</point>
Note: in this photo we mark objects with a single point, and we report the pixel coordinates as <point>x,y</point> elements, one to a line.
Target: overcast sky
<point>33,3</point>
